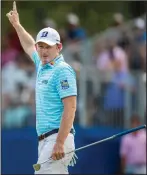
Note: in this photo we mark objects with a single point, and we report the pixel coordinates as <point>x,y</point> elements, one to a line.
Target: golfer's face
<point>46,52</point>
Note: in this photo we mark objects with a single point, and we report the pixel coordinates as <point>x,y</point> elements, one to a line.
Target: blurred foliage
<point>94,15</point>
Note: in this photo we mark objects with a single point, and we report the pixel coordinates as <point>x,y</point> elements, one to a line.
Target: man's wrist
<point>59,141</point>
<point>17,26</point>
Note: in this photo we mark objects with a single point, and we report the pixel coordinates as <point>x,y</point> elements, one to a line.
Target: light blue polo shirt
<point>54,82</point>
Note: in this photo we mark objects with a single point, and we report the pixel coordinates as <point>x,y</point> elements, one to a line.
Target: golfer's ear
<point>60,46</point>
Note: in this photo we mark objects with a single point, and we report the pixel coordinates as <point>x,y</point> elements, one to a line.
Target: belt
<point>43,136</point>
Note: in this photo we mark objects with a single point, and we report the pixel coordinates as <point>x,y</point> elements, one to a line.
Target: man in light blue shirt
<point>55,81</point>
<point>56,92</point>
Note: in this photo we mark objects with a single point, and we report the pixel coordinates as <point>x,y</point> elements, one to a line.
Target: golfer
<point>56,93</point>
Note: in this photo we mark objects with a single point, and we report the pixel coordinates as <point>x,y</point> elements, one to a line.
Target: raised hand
<point>13,16</point>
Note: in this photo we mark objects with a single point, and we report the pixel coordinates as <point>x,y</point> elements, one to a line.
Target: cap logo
<point>44,34</point>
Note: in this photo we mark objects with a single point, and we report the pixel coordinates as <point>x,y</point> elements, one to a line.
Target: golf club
<point>38,166</point>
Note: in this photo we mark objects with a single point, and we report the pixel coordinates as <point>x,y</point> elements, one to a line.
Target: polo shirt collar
<point>54,62</point>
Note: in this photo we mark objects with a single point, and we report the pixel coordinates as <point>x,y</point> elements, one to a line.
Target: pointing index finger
<point>14,6</point>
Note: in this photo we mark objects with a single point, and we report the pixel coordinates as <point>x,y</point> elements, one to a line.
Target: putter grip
<point>130,130</point>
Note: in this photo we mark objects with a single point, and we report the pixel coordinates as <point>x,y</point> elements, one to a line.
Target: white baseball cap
<point>73,19</point>
<point>139,23</point>
<point>49,36</point>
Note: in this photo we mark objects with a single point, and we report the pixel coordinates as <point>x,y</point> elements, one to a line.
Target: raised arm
<point>25,38</point>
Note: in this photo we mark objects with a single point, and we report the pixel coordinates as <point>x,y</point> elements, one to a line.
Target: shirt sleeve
<point>65,82</point>
<point>124,148</point>
<point>36,59</point>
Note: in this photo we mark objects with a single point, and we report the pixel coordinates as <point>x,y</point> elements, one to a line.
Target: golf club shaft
<point>106,139</point>
<point>109,138</point>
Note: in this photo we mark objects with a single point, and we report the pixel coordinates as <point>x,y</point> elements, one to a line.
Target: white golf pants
<point>45,149</point>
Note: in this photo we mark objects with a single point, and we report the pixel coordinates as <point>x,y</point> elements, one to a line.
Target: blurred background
<point>105,42</point>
